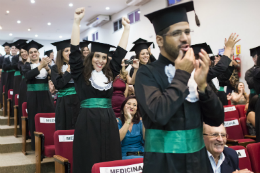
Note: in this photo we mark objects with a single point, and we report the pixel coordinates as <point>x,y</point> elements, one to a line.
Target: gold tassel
<point>197,19</point>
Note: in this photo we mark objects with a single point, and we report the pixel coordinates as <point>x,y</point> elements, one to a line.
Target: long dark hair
<point>88,68</point>
<point>136,118</point>
<point>60,61</point>
<point>81,50</point>
<point>252,104</point>
<point>138,56</point>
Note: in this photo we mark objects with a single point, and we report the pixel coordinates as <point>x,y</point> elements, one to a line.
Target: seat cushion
<point>245,140</point>
<point>49,150</point>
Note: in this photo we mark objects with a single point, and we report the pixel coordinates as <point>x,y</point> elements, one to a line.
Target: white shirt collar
<point>216,167</point>
<point>99,81</point>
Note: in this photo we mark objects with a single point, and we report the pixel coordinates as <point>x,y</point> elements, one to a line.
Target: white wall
<point>219,18</point>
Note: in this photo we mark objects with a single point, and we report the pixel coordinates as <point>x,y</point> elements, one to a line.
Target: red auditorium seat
<point>245,129</point>
<point>235,133</point>
<point>241,110</point>
<point>229,102</point>
<point>244,160</point>
<point>24,126</point>
<point>63,141</point>
<point>3,96</point>
<point>254,154</point>
<point>9,101</point>
<point>115,166</point>
<point>231,112</point>
<point>44,140</point>
<point>16,103</point>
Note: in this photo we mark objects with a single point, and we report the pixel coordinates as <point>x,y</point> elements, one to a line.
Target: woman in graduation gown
<point>96,137</point>
<point>84,48</point>
<point>68,104</point>
<point>39,98</point>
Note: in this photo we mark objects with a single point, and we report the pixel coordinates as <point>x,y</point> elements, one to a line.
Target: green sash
<point>252,91</point>
<point>96,103</point>
<point>180,141</point>
<point>38,87</point>
<point>3,70</point>
<point>66,91</point>
<point>10,71</point>
<point>17,73</point>
<point>221,88</point>
<point>22,77</point>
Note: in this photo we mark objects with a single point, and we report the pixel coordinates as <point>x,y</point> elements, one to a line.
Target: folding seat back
<point>243,125</point>
<point>253,151</point>
<point>229,102</point>
<point>135,165</point>
<point>244,160</point>
<point>241,110</point>
<point>3,88</point>
<point>231,112</point>
<point>24,109</point>
<point>63,141</point>
<point>233,128</point>
<point>10,94</point>
<point>16,99</point>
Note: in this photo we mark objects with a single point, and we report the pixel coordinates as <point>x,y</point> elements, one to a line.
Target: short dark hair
<point>163,32</point>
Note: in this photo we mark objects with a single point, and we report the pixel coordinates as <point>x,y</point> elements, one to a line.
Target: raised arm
<point>124,38</point>
<point>131,80</point>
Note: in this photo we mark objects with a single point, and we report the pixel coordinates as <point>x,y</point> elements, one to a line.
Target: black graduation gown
<point>67,107</point>
<point>37,101</point>
<point>256,77</point>
<point>164,108</point>
<point>2,79</point>
<point>8,68</point>
<point>22,95</point>
<point>117,57</point>
<point>250,81</point>
<point>96,137</point>
<point>17,77</point>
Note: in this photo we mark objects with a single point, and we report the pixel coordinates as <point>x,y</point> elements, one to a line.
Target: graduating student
<point>96,137</point>
<point>50,54</point>
<point>3,74</point>
<point>174,98</point>
<point>140,40</point>
<point>254,52</point>
<point>68,104</point>
<point>39,98</point>
<point>84,48</point>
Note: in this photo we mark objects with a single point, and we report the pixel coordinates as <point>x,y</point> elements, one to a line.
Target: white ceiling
<point>57,12</point>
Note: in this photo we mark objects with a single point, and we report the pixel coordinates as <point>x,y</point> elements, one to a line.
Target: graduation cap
<point>20,46</point>
<point>209,51</point>
<point>60,45</point>
<point>197,48</point>
<point>254,51</point>
<point>48,52</point>
<point>18,42</point>
<point>100,47</point>
<point>6,44</point>
<point>166,17</point>
<point>32,44</point>
<point>84,44</point>
<point>140,46</point>
<point>140,40</point>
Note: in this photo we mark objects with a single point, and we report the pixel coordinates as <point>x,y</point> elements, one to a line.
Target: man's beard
<point>172,50</point>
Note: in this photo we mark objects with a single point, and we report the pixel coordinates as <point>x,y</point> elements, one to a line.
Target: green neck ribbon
<point>17,73</point>
<point>180,141</point>
<point>38,87</point>
<point>252,91</point>
<point>221,88</point>
<point>96,103</point>
<point>66,91</point>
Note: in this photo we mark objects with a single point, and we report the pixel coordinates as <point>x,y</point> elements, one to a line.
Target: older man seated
<point>222,159</point>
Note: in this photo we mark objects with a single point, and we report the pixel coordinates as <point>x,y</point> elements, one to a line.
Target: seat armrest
<point>62,164</point>
<point>232,142</point>
<point>250,137</point>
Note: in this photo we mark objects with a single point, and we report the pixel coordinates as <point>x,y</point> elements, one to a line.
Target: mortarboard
<point>254,51</point>
<point>33,44</point>
<point>140,46</point>
<point>6,44</point>
<point>60,45</point>
<point>20,46</point>
<point>140,40</point>
<point>100,47</point>
<point>18,42</point>
<point>84,44</point>
<point>48,52</point>
<point>166,17</point>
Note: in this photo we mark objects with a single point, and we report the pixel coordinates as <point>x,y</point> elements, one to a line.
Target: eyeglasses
<point>178,33</point>
<point>216,135</point>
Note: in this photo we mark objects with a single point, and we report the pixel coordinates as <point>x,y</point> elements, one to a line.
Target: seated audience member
<point>131,130</point>
<point>239,97</point>
<point>222,159</point>
<point>250,116</point>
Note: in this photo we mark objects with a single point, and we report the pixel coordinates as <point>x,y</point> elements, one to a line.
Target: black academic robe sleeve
<point>224,77</point>
<point>249,78</point>
<point>28,72</point>
<point>7,64</point>
<point>20,65</point>
<point>1,62</point>
<point>152,58</point>
<point>219,68</point>
<point>115,63</point>
<point>58,80</point>
<point>159,105</point>
<point>211,108</point>
<point>76,62</point>
<point>15,61</point>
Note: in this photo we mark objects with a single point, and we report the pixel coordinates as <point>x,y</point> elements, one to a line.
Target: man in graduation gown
<point>249,73</point>
<point>174,98</point>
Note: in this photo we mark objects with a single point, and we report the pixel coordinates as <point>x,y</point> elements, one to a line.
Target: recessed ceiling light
<point>36,35</point>
<point>7,11</point>
<point>79,25</point>
<point>29,29</point>
<point>71,5</point>
<point>107,8</point>
<point>49,23</point>
<point>139,11</point>
<point>0,27</point>
<point>10,34</point>
<point>32,1</point>
<point>60,36</point>
<point>18,21</point>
